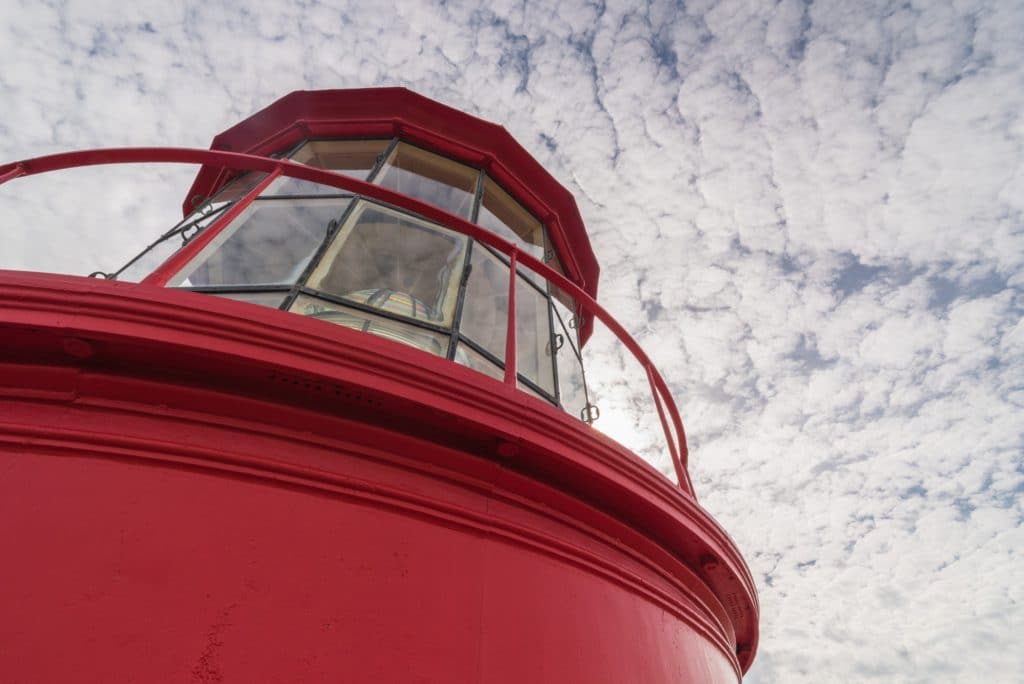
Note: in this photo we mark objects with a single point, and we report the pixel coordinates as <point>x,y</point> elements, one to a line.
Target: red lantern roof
<point>398,112</point>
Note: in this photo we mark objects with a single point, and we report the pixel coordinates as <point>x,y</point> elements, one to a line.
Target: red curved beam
<point>249,162</point>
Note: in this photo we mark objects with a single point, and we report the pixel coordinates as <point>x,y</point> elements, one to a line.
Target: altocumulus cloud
<point>809,213</point>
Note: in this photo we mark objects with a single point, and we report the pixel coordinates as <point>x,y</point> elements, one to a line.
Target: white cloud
<point>809,213</point>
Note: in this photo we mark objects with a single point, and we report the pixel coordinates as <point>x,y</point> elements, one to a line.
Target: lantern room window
<point>270,243</point>
<point>206,212</point>
<point>318,251</point>
<point>430,177</point>
<point>485,305</point>
<point>381,256</point>
<point>389,328</point>
<point>501,214</point>
<point>356,158</point>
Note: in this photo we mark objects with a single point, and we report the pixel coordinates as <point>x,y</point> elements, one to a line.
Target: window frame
<point>454,333</point>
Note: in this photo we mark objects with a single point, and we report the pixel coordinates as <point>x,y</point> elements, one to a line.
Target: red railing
<point>668,414</point>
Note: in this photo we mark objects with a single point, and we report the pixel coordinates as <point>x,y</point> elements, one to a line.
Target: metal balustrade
<point>635,424</point>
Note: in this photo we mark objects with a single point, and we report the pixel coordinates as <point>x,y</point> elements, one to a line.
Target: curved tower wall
<point>201,487</point>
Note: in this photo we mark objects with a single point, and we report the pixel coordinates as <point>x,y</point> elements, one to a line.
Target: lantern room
<point>334,425</point>
<point>335,255</point>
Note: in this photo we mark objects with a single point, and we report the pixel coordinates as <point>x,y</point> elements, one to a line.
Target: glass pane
<point>294,187</point>
<point>551,256</point>
<point>620,389</point>
<point>396,331</point>
<point>471,358</point>
<point>148,262</point>
<point>271,299</point>
<point>501,214</point>
<point>565,307</point>
<point>533,336</point>
<point>529,390</point>
<point>431,178</point>
<point>387,259</point>
<point>202,217</point>
<point>556,265</point>
<point>485,308</point>
<point>356,158</point>
<point>571,387</point>
<point>234,189</point>
<point>270,243</point>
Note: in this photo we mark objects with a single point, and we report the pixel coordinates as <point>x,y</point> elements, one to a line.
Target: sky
<point>810,214</point>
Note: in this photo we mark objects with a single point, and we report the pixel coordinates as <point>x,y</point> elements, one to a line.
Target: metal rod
<point>510,333</point>
<point>178,260</point>
<point>250,162</point>
<point>669,437</point>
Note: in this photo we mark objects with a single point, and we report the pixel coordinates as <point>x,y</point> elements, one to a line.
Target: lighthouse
<point>334,425</point>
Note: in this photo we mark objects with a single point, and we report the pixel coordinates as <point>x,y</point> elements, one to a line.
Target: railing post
<point>673,450</point>
<point>510,331</point>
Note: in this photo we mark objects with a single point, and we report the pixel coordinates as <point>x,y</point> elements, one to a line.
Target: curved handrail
<point>248,162</point>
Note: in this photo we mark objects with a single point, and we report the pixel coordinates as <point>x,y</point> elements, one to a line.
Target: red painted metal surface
<point>510,325</point>
<point>155,421</point>
<point>198,489</point>
<point>589,307</point>
<point>271,586</point>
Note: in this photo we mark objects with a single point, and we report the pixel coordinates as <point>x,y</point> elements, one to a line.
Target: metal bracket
<point>559,341</point>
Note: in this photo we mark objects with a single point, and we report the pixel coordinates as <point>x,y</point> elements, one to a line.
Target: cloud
<point>809,213</point>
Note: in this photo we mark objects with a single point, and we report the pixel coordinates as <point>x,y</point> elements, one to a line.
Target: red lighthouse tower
<point>335,426</point>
